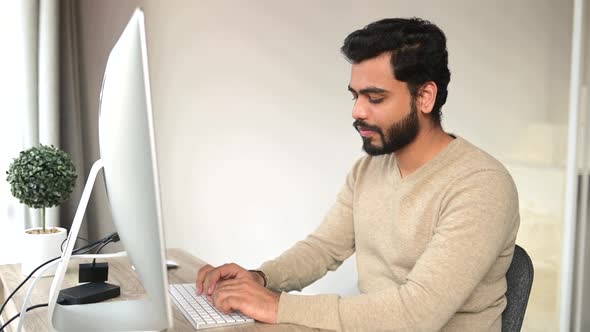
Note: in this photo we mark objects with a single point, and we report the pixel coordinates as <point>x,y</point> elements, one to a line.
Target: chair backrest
<point>520,280</point>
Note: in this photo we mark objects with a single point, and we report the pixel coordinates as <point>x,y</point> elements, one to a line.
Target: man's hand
<point>249,297</point>
<point>209,276</point>
<point>231,287</point>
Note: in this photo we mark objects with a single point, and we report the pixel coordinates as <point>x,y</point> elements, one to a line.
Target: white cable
<point>25,305</point>
<point>26,299</point>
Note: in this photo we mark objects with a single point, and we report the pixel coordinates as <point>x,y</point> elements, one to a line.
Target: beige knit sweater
<point>432,248</point>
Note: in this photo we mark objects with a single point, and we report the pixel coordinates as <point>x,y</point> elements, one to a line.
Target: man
<point>432,218</point>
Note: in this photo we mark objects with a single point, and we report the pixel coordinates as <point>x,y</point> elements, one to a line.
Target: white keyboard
<point>199,311</point>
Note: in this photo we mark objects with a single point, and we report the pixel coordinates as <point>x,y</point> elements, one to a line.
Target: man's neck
<point>429,142</point>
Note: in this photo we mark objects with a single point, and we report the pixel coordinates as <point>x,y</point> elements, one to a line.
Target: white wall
<point>253,118</point>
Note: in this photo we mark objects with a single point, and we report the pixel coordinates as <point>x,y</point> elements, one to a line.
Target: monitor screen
<point>128,154</point>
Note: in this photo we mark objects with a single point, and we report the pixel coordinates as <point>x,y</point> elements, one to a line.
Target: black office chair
<point>520,280</point>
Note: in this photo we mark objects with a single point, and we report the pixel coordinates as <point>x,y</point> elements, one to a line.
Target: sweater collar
<point>427,167</point>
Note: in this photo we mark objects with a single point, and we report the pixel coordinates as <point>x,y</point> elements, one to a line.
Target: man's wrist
<point>261,276</point>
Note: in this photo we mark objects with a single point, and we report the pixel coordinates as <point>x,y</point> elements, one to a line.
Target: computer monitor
<point>128,155</point>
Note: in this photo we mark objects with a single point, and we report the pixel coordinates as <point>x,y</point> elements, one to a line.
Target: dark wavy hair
<point>418,53</point>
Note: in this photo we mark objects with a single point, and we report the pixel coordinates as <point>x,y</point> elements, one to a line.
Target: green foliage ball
<point>42,177</point>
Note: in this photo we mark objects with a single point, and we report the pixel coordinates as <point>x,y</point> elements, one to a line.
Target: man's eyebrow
<point>367,90</point>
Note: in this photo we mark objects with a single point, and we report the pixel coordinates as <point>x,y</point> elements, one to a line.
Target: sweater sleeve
<point>322,251</point>
<point>476,223</point>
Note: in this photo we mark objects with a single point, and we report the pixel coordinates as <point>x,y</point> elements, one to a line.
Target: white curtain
<point>12,95</point>
<point>41,115</point>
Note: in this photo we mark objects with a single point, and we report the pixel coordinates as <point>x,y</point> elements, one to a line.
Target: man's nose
<point>359,110</point>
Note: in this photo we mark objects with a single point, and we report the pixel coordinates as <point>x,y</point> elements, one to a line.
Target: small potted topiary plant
<point>41,177</point>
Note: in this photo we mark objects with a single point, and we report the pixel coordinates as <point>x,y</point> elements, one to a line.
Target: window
<point>12,108</point>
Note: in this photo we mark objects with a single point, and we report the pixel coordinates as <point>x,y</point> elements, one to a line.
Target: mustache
<point>360,123</point>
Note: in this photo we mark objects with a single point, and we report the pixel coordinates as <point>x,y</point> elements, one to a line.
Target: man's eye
<point>355,97</point>
<point>375,100</point>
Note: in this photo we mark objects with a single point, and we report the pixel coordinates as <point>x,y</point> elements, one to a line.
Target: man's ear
<point>427,97</point>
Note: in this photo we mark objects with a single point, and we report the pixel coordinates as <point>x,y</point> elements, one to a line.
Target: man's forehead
<point>374,72</point>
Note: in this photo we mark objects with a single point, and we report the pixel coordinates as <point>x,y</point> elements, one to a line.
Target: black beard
<point>399,135</point>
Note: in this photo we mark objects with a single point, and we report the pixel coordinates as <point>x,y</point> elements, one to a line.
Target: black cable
<point>92,246</point>
<point>99,249</point>
<point>18,315</point>
<point>114,237</point>
<point>61,248</point>
<point>98,252</point>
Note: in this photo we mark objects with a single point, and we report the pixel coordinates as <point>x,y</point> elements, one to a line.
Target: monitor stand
<point>132,315</point>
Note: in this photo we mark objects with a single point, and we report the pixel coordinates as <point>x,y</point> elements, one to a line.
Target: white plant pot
<point>39,248</point>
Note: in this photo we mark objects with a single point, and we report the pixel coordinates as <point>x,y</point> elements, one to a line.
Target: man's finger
<point>211,278</point>
<point>201,277</point>
<point>225,301</point>
<point>231,284</point>
<point>225,271</point>
<point>213,275</point>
